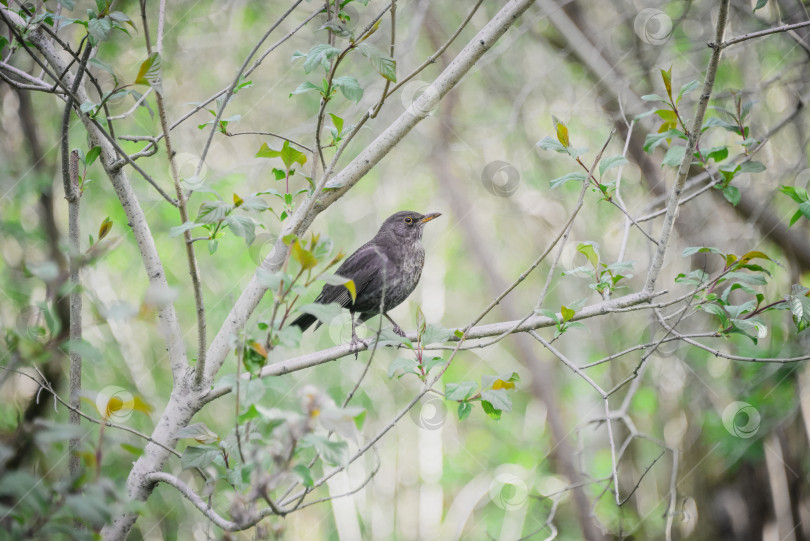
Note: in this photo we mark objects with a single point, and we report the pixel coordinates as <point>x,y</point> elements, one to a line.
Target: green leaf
<point>459,391</point>
<point>464,409</point>
<point>653,97</point>
<point>799,195</point>
<point>732,194</point>
<point>800,307</point>
<point>686,89</point>
<point>590,251</point>
<point>242,226</point>
<point>149,73</point>
<point>350,88</point>
<point>304,475</point>
<point>760,5</point>
<point>403,364</point>
<point>198,432</point>
<point>319,55</point>
<point>306,86</point>
<point>562,132</point>
<point>266,152</point>
<point>213,244</point>
<point>557,182</point>
<point>701,249</point>
<point>612,161</point>
<point>499,399</point>
<point>338,122</point>
<point>795,218</point>
<point>674,156</point>
<point>752,167</point>
<point>291,156</point>
<point>549,143</point>
<point>198,457</point>
<point>212,212</point>
<point>334,453</point>
<point>653,140</point>
<point>718,311</point>
<point>382,63</point>
<point>433,362</point>
<point>666,75</point>
<point>567,313</point>
<point>92,155</point>
<point>121,17</point>
<point>105,227</point>
<point>180,229</point>
<point>434,334</point>
<point>714,121</point>
<point>718,154</point>
<point>804,208</point>
<point>304,257</point>
<point>491,410</point>
<point>99,28</point>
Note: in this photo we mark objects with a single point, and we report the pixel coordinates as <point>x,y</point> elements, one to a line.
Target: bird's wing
<point>361,267</point>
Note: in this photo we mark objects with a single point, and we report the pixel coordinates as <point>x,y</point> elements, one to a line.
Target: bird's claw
<point>356,343</point>
<point>398,330</point>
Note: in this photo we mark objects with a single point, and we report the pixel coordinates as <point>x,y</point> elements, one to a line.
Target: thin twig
<point>785,28</point>
<point>235,82</point>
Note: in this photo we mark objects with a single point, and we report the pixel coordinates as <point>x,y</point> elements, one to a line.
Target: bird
<point>385,271</point>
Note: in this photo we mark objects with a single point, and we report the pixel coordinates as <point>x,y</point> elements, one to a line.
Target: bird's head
<point>406,224</point>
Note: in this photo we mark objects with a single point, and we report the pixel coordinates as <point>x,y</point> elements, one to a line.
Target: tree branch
<point>694,136</point>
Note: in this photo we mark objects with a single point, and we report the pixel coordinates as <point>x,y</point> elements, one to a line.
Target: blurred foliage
<point>533,105</point>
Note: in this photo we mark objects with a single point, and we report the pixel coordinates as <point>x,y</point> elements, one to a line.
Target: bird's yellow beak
<point>430,217</point>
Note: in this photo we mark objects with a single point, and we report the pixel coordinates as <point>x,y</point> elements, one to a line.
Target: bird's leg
<point>397,329</point>
<point>355,339</point>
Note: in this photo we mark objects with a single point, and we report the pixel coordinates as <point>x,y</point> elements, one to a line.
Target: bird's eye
<point>409,220</point>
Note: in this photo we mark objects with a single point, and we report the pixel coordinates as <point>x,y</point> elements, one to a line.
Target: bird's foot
<point>356,343</point>
<point>397,329</point>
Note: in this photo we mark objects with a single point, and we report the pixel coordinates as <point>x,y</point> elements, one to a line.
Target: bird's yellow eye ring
<point>408,220</point>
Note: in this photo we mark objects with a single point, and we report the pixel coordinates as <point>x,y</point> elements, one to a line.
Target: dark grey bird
<point>385,270</point>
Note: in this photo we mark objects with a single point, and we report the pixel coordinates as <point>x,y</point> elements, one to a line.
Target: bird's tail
<point>304,321</point>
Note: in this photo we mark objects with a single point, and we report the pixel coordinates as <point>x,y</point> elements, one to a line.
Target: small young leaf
<point>106,225</point>
<point>562,132</point>
<point>149,73</point>
<point>91,156</point>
